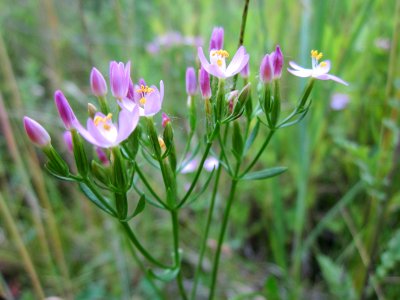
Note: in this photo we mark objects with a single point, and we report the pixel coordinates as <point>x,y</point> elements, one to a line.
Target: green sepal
<point>168,137</point>
<point>80,156</point>
<point>121,204</point>
<point>93,198</point>
<point>101,173</point>
<point>119,174</point>
<point>56,165</point>
<point>131,145</point>
<point>237,140</point>
<point>264,174</point>
<point>276,105</point>
<point>151,130</point>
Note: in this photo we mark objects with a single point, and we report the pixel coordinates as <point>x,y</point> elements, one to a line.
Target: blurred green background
<point>308,234</point>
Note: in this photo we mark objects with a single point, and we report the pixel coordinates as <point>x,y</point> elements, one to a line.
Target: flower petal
<point>296,66</point>
<point>239,60</point>
<point>322,68</point>
<point>301,73</point>
<point>101,140</point>
<point>127,103</point>
<point>153,102</point>
<point>331,77</point>
<point>127,122</point>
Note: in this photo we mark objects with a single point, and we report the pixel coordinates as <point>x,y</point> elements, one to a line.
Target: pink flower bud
<point>266,69</point>
<point>165,120</point>
<point>36,133</point>
<point>102,156</point>
<point>277,62</point>
<point>98,83</point>
<point>120,77</point>
<point>67,136</point>
<point>204,82</point>
<point>64,110</point>
<point>131,90</point>
<point>190,81</point>
<point>217,39</point>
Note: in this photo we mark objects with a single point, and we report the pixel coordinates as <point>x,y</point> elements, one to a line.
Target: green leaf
<point>166,275</point>
<point>338,281</point>
<point>263,174</point>
<point>55,174</point>
<point>139,208</point>
<point>252,137</point>
<point>92,197</point>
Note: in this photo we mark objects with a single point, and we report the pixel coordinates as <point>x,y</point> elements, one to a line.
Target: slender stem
<point>206,232</point>
<point>148,186</point>
<point>265,144</point>
<point>175,229</point>
<point>208,222</point>
<point>99,196</point>
<point>144,271</point>
<point>140,247</point>
<point>221,237</point>
<point>241,35</point>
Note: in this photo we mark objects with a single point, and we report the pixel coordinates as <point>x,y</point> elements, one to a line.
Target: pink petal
<point>127,122</point>
<point>239,61</point>
<point>301,73</point>
<point>296,66</point>
<point>331,77</point>
<point>211,69</point>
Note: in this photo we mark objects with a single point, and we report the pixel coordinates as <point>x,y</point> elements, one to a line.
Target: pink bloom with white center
<point>36,133</point>
<point>102,132</point>
<point>318,71</point>
<point>120,77</point>
<point>217,65</point>
<point>148,99</point>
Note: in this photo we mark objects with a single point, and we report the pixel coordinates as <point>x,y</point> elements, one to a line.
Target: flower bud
<point>165,119</point>
<point>131,90</point>
<point>64,110</point>
<point>204,82</point>
<point>68,140</point>
<point>120,77</point>
<point>217,39</point>
<point>98,83</point>
<point>266,69</point>
<point>102,156</point>
<point>36,133</point>
<point>191,85</point>
<point>277,62</point>
<point>92,110</point>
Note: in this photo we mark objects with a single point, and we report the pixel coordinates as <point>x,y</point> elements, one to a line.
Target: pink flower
<point>102,132</point>
<point>120,77</point>
<point>217,39</point>
<point>318,71</point>
<point>36,133</point>
<point>271,66</point>
<point>204,82</point>
<point>98,83</point>
<point>217,65</point>
<point>64,110</point>
<point>148,99</point>
<point>191,84</point>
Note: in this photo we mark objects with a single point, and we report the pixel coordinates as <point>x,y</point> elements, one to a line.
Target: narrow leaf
<point>263,174</point>
<point>167,275</point>
<point>92,197</point>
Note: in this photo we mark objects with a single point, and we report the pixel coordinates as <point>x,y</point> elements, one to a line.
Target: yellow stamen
<point>220,53</point>
<point>315,54</point>
<point>323,64</point>
<point>99,119</point>
<point>219,62</point>
<point>145,89</point>
<point>142,101</point>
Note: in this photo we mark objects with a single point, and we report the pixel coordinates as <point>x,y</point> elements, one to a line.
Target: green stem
<point>175,229</point>
<point>139,246</point>
<point>148,186</point>
<point>99,196</point>
<point>208,222</point>
<point>221,237</point>
<point>265,144</point>
<point>206,232</point>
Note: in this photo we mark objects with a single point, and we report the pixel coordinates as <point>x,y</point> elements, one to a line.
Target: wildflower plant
<point>125,135</point>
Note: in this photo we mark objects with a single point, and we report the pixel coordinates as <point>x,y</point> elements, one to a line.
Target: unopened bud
<point>98,83</point>
<point>36,133</point>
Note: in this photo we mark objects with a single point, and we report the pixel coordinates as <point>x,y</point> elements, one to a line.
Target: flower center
<point>323,64</point>
<point>218,56</point>
<point>103,121</point>
<point>143,91</point>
